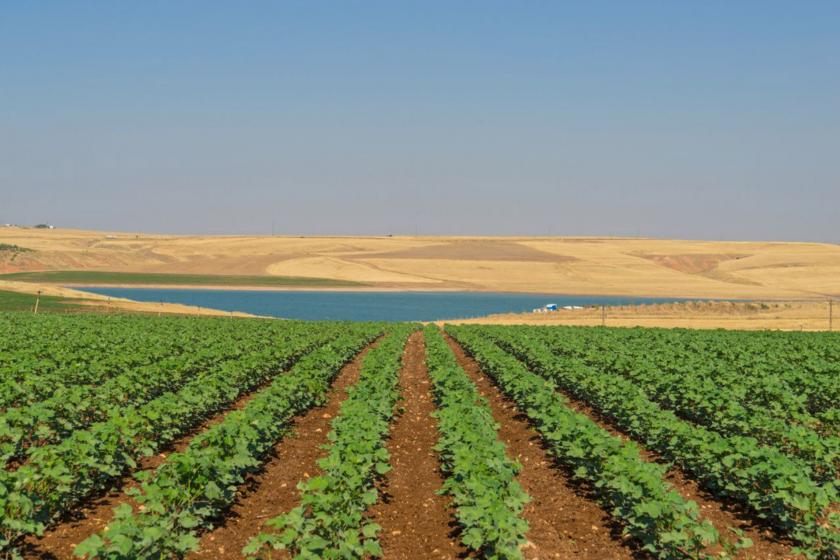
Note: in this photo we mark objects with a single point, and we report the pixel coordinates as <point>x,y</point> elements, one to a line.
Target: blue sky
<point>717,120</point>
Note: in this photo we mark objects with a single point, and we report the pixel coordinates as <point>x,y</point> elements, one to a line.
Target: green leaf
<point>89,547</point>
<point>372,548</point>
<point>370,530</point>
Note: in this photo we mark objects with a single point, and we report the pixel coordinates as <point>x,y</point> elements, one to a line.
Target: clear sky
<point>716,120</point>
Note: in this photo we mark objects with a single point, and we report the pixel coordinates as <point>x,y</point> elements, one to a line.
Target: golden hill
<point>570,265</point>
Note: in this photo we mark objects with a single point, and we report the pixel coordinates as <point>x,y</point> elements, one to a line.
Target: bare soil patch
<point>94,515</point>
<point>693,263</point>
<point>471,250</point>
<point>274,490</point>
<point>416,521</point>
<point>563,522</point>
<point>723,515</point>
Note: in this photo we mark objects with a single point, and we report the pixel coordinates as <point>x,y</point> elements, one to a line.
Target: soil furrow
<point>93,516</point>
<point>563,522</point>
<point>22,459</point>
<point>274,490</point>
<point>766,544</point>
<point>416,521</point>
<point>723,515</point>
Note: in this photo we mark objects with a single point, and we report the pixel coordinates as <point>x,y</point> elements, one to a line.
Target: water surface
<point>365,306</point>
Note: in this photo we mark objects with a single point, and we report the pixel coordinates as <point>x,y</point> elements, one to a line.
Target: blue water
<point>365,306</point>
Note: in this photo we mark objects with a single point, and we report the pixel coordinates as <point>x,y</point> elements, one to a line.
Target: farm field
<point>94,277</point>
<point>22,296</point>
<point>141,437</point>
<point>791,282</point>
<point>402,281</point>
<point>16,301</point>
<point>751,315</point>
<point>547,265</point>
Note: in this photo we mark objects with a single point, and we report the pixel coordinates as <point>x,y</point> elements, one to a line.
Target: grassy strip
<point>15,301</point>
<point>9,248</point>
<point>631,489</point>
<point>150,278</point>
<point>479,476</point>
<point>57,477</point>
<point>192,487</point>
<point>774,486</point>
<point>330,521</point>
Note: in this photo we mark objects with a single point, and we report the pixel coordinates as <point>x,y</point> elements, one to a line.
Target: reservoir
<point>366,306</point>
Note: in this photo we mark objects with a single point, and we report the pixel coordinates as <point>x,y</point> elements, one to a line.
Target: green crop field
<point>14,301</point>
<point>257,438</point>
<point>93,277</point>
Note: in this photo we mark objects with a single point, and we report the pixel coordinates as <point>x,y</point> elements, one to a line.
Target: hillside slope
<point>572,265</point>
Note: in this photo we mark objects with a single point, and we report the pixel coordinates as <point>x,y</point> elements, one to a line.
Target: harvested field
<point>559,265</point>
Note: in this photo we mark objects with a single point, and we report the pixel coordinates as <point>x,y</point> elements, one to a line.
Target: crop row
<point>707,400</point>
<point>57,477</point>
<point>790,375</point>
<point>185,493</point>
<point>733,365</point>
<point>330,521</point>
<point>74,407</point>
<point>809,363</point>
<point>480,478</point>
<point>774,486</point>
<point>631,489</point>
<point>44,354</point>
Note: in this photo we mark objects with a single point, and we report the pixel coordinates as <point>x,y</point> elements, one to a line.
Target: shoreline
<point>753,315</point>
<point>427,289</point>
<point>544,265</point>
<point>759,314</point>
<point>245,288</point>
<point>108,303</point>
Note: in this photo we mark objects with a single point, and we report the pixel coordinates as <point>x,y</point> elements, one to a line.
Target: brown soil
<point>93,516</point>
<point>563,522</point>
<point>274,490</point>
<point>766,545</point>
<point>472,250</point>
<point>694,263</point>
<point>416,521</point>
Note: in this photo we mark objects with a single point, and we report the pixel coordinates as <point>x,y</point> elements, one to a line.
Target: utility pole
<point>603,315</point>
<point>830,315</point>
<point>37,301</point>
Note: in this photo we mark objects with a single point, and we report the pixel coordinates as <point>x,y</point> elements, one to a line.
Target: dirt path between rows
<point>563,522</point>
<point>766,544</point>
<point>94,515</point>
<point>416,521</point>
<point>274,490</point>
